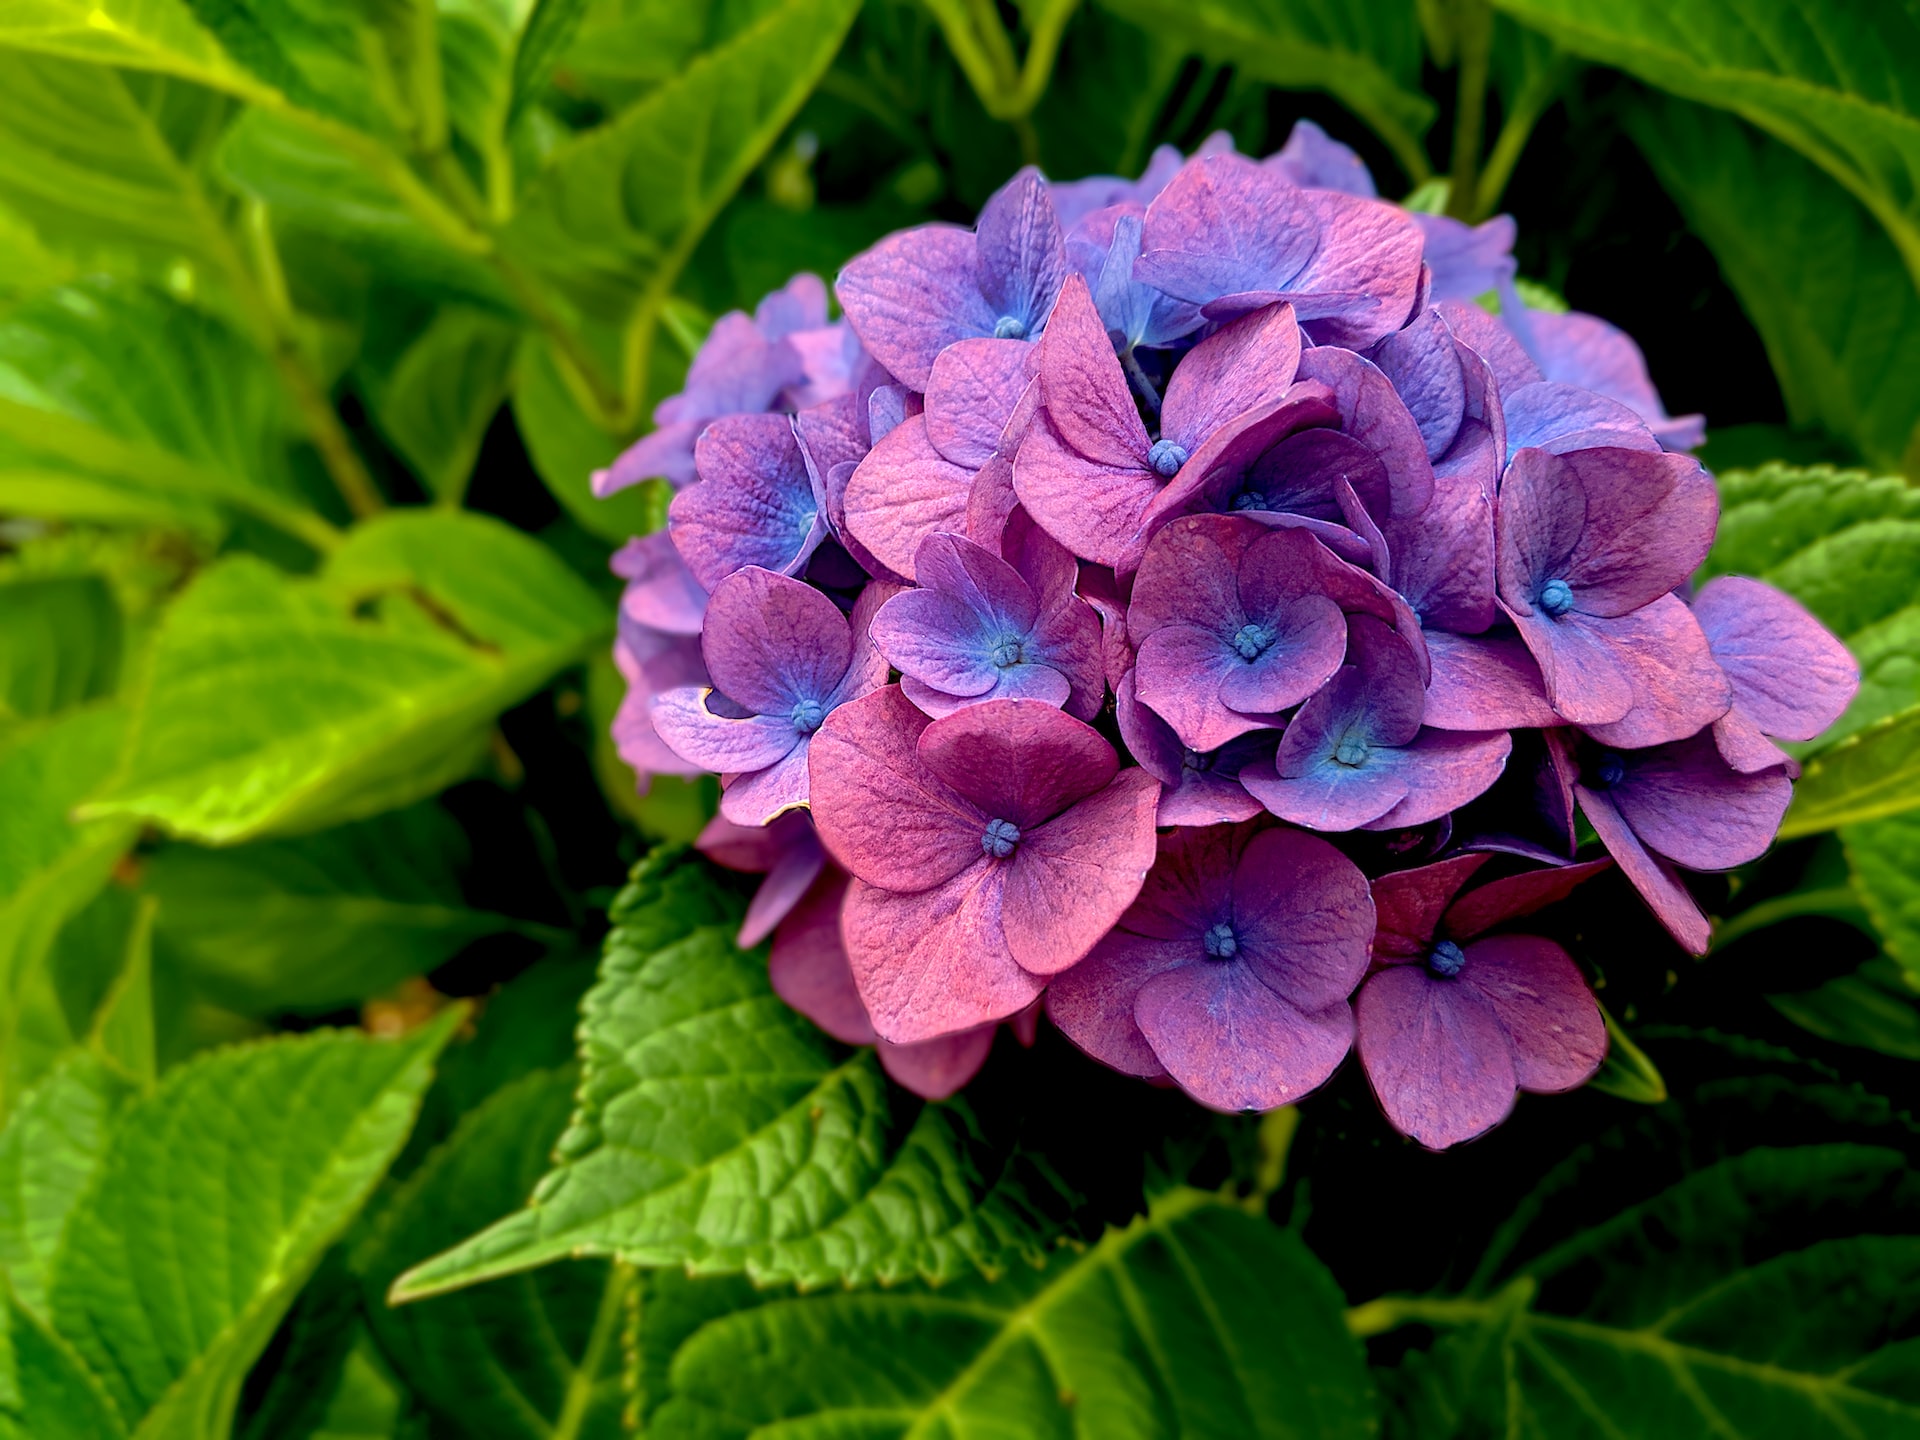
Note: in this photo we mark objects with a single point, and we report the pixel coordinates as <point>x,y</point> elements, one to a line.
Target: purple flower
<point>1453,1023</point>
<point>782,657</point>
<point>1585,350</point>
<point>1229,627</point>
<point>1089,472</point>
<point>919,291</point>
<point>921,476</point>
<point>810,971</point>
<point>1790,678</point>
<point>743,367</point>
<point>1196,787</point>
<point>661,592</point>
<point>1467,261</point>
<point>651,662</point>
<point>1103,248</point>
<point>1679,802</point>
<point>785,850</point>
<point>1590,546</point>
<point>981,628</point>
<point>1074,200</point>
<point>1356,756</point>
<point>1313,158</point>
<point>757,503</point>
<point>990,850</point>
<point>1231,972</point>
<point>1230,236</point>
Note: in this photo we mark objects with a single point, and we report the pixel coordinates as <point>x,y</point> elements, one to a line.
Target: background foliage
<point>314,318</point>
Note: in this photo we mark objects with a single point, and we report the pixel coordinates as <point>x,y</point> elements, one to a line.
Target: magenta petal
<point>809,969</point>
<point>1491,341</point>
<point>1683,801</point>
<point>1242,366</point>
<point>1370,251</point>
<point>1678,688</point>
<point>903,492</point>
<point>1442,558</point>
<point>661,592</point>
<point>1516,895</point>
<point>879,811</point>
<point>1485,682</point>
<point>718,744</point>
<point>1551,1018</point>
<point>1083,388</point>
<point>1443,770</point>
<point>1231,1043</point>
<point>760,796</point>
<point>1436,1056</point>
<point>1092,1004</point>
<point>1409,904</point>
<point>912,295</point>
<point>935,1069</point>
<point>787,881</point>
<point>1374,414</point>
<point>1179,674</point>
<point>1586,684</point>
<point>971,394</point>
<point>1224,226</point>
<point>1328,796</point>
<point>1017,760</point>
<point>1304,916</point>
<point>1093,507</point>
<point>934,962</point>
<point>771,641</point>
<point>1790,677</point>
<point>1073,877</point>
<point>1650,875</point>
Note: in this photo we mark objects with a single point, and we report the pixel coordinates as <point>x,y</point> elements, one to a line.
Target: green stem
<point>1475,35</point>
<point>1540,91</point>
<point>606,1326</point>
<point>1390,1312</point>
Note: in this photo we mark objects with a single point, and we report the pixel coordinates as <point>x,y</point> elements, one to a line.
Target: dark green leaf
<point>283,704</point>
<point>52,1396</point>
<point>1829,293</point>
<point>567,446</point>
<point>1877,1007</point>
<point>1196,1321</point>
<point>719,1131</point>
<point>245,1165</point>
<point>434,406</point>
<point>318,921</point>
<point>1885,859</point>
<point>59,644</point>
<point>548,31</point>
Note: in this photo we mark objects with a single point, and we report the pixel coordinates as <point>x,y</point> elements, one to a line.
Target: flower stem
<point>1474,35</point>
<point>1539,92</point>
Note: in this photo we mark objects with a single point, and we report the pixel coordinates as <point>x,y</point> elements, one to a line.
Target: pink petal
<point>1683,801</point>
<point>809,969</point>
<point>1304,916</point>
<point>903,492</point>
<point>1082,386</point>
<point>1515,896</point>
<point>1585,683</point>
<point>784,886</point>
<point>1443,770</point>
<point>912,295</point>
<point>1651,876</point>
<point>1017,760</point>
<point>1678,688</point>
<point>1790,677</point>
<point>1092,1004</point>
<point>935,1069</point>
<point>1072,878</point>
<point>1242,366</point>
<point>759,797</point>
<point>1436,1055</point>
<point>771,641</point>
<point>971,394</point>
<point>1231,1043</point>
<point>1552,1020</point>
<point>1093,507</point>
<point>1485,682</point>
<point>1409,904</point>
<point>1179,675</point>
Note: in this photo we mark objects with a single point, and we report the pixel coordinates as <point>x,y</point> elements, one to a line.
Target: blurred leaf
<point>60,644</point>
<point>549,29</point>
<point>1196,1321</point>
<point>434,406</point>
<point>1885,859</point>
<point>320,921</point>
<point>622,47</point>
<point>119,402</point>
<point>1836,82</point>
<point>52,1397</point>
<point>719,1131</point>
<point>1868,776</point>
<point>123,1031</point>
<point>1877,1007</point>
<point>1627,1073</point>
<point>59,1001</point>
<point>277,704</point>
<point>567,446</point>
<point>246,1165</point>
<point>1814,533</point>
<point>1366,56</point>
<point>49,1151</point>
<point>159,35</point>
<point>1834,304</point>
<point>471,1357</point>
<point>99,158</point>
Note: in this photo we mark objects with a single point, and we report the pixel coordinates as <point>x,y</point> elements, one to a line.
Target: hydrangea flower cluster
<point>1162,601</point>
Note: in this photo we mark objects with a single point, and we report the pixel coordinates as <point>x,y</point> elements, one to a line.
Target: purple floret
<point>757,502</point>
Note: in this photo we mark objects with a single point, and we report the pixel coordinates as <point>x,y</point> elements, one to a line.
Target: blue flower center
<point>1197,761</point>
<point>807,715</point>
<point>1009,327</point>
<point>1007,652</point>
<point>1556,598</point>
<point>1352,750</point>
<point>999,838</point>
<point>1220,942</point>
<point>1249,500</point>
<point>1610,771</point>
<point>1253,640</point>
<point>1166,457</point>
<point>1445,959</point>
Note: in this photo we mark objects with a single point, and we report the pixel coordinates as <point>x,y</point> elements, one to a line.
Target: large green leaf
<point>117,401</point>
<point>1196,1321</point>
<point>1885,859</point>
<point>566,446</point>
<point>318,921</point>
<point>59,644</point>
<point>1841,83</point>
<point>277,704</point>
<point>49,1150</point>
<point>436,402</point>
<point>1366,56</point>
<point>719,1131</point>
<point>160,35</point>
<point>1828,292</point>
<point>525,1356</point>
<point>50,1395</point>
<point>236,1174</point>
<point>1877,1007</point>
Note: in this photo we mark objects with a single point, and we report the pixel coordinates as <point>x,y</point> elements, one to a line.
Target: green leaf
<point>1836,82</point>
<point>318,921</point>
<point>1627,1073</point>
<point>117,401</point>
<point>719,1131</point>
<point>473,1357</point>
<point>1196,1321</point>
<point>49,1151</point>
<point>1877,1007</point>
<point>276,704</point>
<point>549,30</point>
<point>436,403</point>
<point>1830,295</point>
<point>567,446</point>
<point>1868,776</point>
<point>122,1033</point>
<point>60,641</point>
<point>1884,856</point>
<point>1367,57</point>
<point>159,35</point>
<point>245,1164</point>
<point>52,1397</point>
